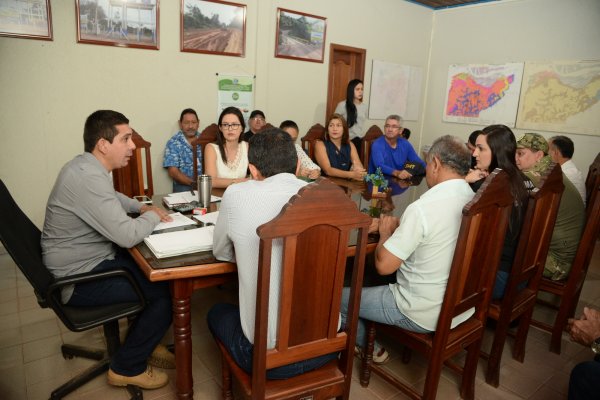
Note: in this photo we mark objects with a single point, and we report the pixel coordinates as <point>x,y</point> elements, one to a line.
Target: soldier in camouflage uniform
<point>533,159</point>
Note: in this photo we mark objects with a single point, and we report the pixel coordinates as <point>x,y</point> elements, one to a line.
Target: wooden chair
<point>129,180</point>
<point>469,286</point>
<point>527,268</point>
<point>569,290</point>
<point>316,132</point>
<point>315,226</point>
<point>208,135</point>
<point>365,147</point>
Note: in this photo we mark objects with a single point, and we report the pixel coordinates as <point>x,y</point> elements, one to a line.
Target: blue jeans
<point>178,187</point>
<point>500,284</point>
<point>377,304</point>
<point>585,381</point>
<point>150,325</point>
<point>225,324</point>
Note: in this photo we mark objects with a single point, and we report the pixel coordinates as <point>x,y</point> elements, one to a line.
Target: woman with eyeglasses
<point>227,160</point>
<point>336,155</point>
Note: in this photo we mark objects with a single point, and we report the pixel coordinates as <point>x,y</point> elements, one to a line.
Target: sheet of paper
<point>208,218</point>
<point>178,220</point>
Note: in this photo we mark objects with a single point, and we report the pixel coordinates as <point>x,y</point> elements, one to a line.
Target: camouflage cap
<point>533,141</point>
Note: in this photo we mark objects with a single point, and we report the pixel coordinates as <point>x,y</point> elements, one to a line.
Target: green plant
<point>377,179</point>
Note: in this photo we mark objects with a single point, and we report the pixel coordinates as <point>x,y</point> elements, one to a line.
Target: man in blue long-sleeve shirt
<point>391,151</point>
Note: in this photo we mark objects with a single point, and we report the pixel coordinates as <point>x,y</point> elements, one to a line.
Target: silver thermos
<point>204,190</point>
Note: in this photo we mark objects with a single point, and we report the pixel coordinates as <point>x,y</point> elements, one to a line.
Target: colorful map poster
<point>483,94</point>
<point>561,97</point>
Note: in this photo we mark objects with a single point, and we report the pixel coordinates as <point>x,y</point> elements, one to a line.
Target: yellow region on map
<point>551,101</point>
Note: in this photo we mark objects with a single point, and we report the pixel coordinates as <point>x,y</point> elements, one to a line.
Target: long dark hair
<point>220,138</point>
<point>350,106</point>
<point>503,146</point>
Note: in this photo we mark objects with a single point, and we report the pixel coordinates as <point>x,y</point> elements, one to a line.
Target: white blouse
<point>236,169</point>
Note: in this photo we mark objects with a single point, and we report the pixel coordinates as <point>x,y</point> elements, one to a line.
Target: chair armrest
<point>75,318</point>
<point>59,283</point>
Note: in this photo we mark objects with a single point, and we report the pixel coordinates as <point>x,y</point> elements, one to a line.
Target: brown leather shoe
<point>161,357</point>
<point>149,379</point>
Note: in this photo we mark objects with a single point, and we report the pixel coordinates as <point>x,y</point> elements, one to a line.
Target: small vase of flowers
<point>378,181</point>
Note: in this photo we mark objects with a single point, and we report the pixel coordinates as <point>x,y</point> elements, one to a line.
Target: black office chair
<point>21,238</point>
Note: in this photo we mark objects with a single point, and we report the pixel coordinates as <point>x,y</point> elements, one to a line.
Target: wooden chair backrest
<point>536,232</point>
<point>316,132</point>
<point>208,135</point>
<point>135,179</point>
<point>365,147</point>
<point>314,226</point>
<point>569,290</point>
<point>527,268</point>
<point>477,254</point>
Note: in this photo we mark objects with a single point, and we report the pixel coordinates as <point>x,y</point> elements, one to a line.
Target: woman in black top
<point>496,147</point>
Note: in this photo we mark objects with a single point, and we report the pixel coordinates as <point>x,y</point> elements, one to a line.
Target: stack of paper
<point>181,242</point>
<point>184,198</point>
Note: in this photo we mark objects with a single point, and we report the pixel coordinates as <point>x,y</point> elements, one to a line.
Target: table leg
<point>181,292</point>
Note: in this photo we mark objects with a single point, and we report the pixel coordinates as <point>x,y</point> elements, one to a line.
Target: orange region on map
<point>467,98</point>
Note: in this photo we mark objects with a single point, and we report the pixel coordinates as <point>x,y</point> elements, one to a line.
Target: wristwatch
<point>596,346</point>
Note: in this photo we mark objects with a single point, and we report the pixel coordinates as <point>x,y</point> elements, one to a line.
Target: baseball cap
<point>257,112</point>
<point>533,141</point>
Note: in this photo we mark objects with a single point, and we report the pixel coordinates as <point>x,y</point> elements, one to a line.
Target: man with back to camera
<point>419,248</point>
<point>179,158</point>
<point>256,122</point>
<point>533,160</point>
<point>391,151</point>
<point>273,163</point>
<point>561,151</point>
<point>87,228</point>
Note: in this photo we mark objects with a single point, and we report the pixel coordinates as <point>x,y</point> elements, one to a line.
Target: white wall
<point>49,88</point>
<point>510,31</point>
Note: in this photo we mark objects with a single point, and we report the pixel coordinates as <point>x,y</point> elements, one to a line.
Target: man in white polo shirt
<point>419,248</point>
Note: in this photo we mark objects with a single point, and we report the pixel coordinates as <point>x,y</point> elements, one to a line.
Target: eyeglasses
<point>386,126</point>
<point>230,127</point>
<point>258,119</point>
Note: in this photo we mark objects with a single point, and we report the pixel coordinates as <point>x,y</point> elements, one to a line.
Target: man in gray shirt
<point>86,229</point>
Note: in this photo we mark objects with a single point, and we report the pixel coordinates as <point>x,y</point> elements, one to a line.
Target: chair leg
<point>111,334</point>
<point>492,375</point>
<point>226,390</point>
<point>467,386</point>
<point>69,351</point>
<point>432,379</point>
<point>367,356</point>
<point>406,354</point>
<point>521,337</point>
<point>81,379</point>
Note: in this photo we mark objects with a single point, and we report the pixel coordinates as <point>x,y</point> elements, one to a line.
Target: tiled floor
<point>31,365</point>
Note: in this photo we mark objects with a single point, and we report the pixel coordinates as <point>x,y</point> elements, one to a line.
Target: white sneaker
<point>381,357</point>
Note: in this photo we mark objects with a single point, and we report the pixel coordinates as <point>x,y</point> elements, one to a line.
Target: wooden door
<point>345,63</point>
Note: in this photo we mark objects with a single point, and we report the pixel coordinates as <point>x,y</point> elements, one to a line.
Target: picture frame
<point>128,24</point>
<point>29,19</point>
<point>300,36</point>
<point>213,27</point>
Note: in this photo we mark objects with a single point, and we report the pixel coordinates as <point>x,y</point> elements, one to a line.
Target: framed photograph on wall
<point>300,36</point>
<point>213,27</point>
<point>30,19</point>
<point>118,23</point>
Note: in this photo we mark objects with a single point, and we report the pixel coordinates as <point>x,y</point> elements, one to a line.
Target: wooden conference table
<point>190,272</point>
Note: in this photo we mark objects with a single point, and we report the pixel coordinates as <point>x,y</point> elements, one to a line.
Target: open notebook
<point>180,242</point>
